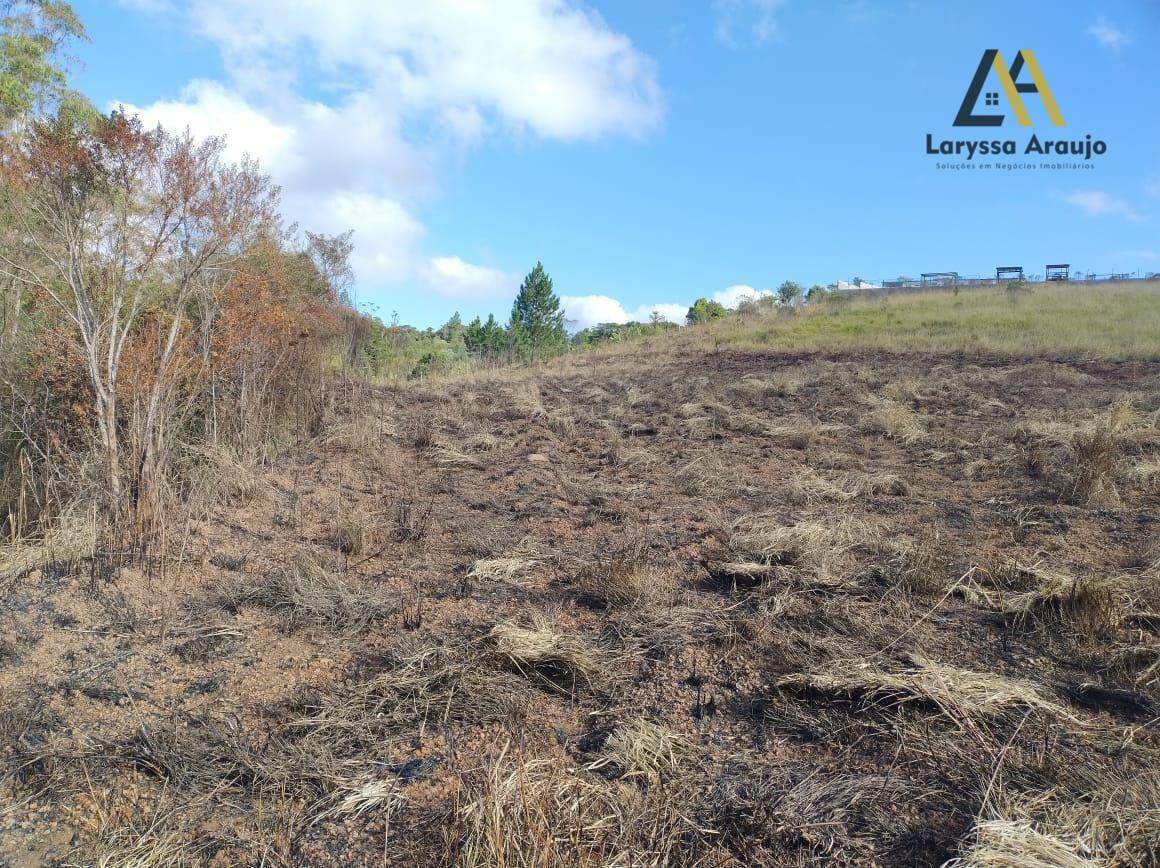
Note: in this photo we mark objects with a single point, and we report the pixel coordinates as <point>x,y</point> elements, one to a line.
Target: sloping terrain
<point>712,609</point>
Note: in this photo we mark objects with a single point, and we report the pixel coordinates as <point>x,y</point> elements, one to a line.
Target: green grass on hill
<point>1107,320</point>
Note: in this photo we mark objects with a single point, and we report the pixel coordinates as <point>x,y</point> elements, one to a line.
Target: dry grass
<point>418,683</point>
<point>1089,602</point>
<point>1011,843</point>
<point>454,459</point>
<point>757,387</point>
<point>356,798</point>
<point>539,814</point>
<point>1146,474</point>
<point>525,401</point>
<point>509,569</point>
<point>698,420</point>
<point>1117,825</point>
<point>356,534</point>
<point>1087,455</point>
<point>361,435</point>
<point>762,548</point>
<point>603,497</point>
<point>618,581</point>
<point>309,595</point>
<point>808,486</point>
<point>919,565</point>
<point>643,749</point>
<point>621,453</point>
<point>545,654</point>
<point>799,433</point>
<point>1091,468</point>
<point>72,538</point>
<point>714,475</point>
<point>144,840</point>
<point>232,478</point>
<point>664,629</point>
<point>961,695</point>
<point>893,420</point>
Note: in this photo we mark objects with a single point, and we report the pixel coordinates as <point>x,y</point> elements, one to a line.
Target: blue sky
<point>650,152</point>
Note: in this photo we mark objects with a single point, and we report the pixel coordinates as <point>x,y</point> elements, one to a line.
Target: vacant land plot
<point>732,608</point>
<point>1115,320</point>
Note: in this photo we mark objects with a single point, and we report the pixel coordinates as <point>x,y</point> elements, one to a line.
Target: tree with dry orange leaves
<point>104,221</point>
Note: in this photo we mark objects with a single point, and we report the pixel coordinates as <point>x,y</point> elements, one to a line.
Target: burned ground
<point>718,609</point>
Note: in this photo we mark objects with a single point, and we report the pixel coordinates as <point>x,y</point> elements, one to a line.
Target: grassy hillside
<point>1109,320</point>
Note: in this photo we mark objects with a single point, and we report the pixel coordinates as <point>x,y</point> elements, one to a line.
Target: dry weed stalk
<point>71,538</point>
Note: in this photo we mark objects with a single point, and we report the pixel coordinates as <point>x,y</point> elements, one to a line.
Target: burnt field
<point>712,609</point>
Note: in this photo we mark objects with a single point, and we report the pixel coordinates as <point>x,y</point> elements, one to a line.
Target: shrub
<point>704,310</point>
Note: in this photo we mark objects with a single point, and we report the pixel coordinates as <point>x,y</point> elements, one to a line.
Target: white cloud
<point>206,108</point>
<point>1097,203</point>
<point>1108,34</point>
<point>452,277</point>
<point>354,106</point>
<point>552,66</point>
<point>733,295</point>
<point>669,312</point>
<point>746,22</point>
<point>386,234</point>
<point>585,311</point>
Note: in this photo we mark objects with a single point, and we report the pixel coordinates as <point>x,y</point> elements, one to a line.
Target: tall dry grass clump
<point>539,814</point>
<point>546,654</point>
<point>1091,603</point>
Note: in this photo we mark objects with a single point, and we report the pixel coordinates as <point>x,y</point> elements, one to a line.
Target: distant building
<point>854,285</point>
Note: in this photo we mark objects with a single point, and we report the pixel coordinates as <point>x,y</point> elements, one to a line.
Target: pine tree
<point>495,337</point>
<point>488,339</point>
<point>537,323</point>
<point>452,329</point>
